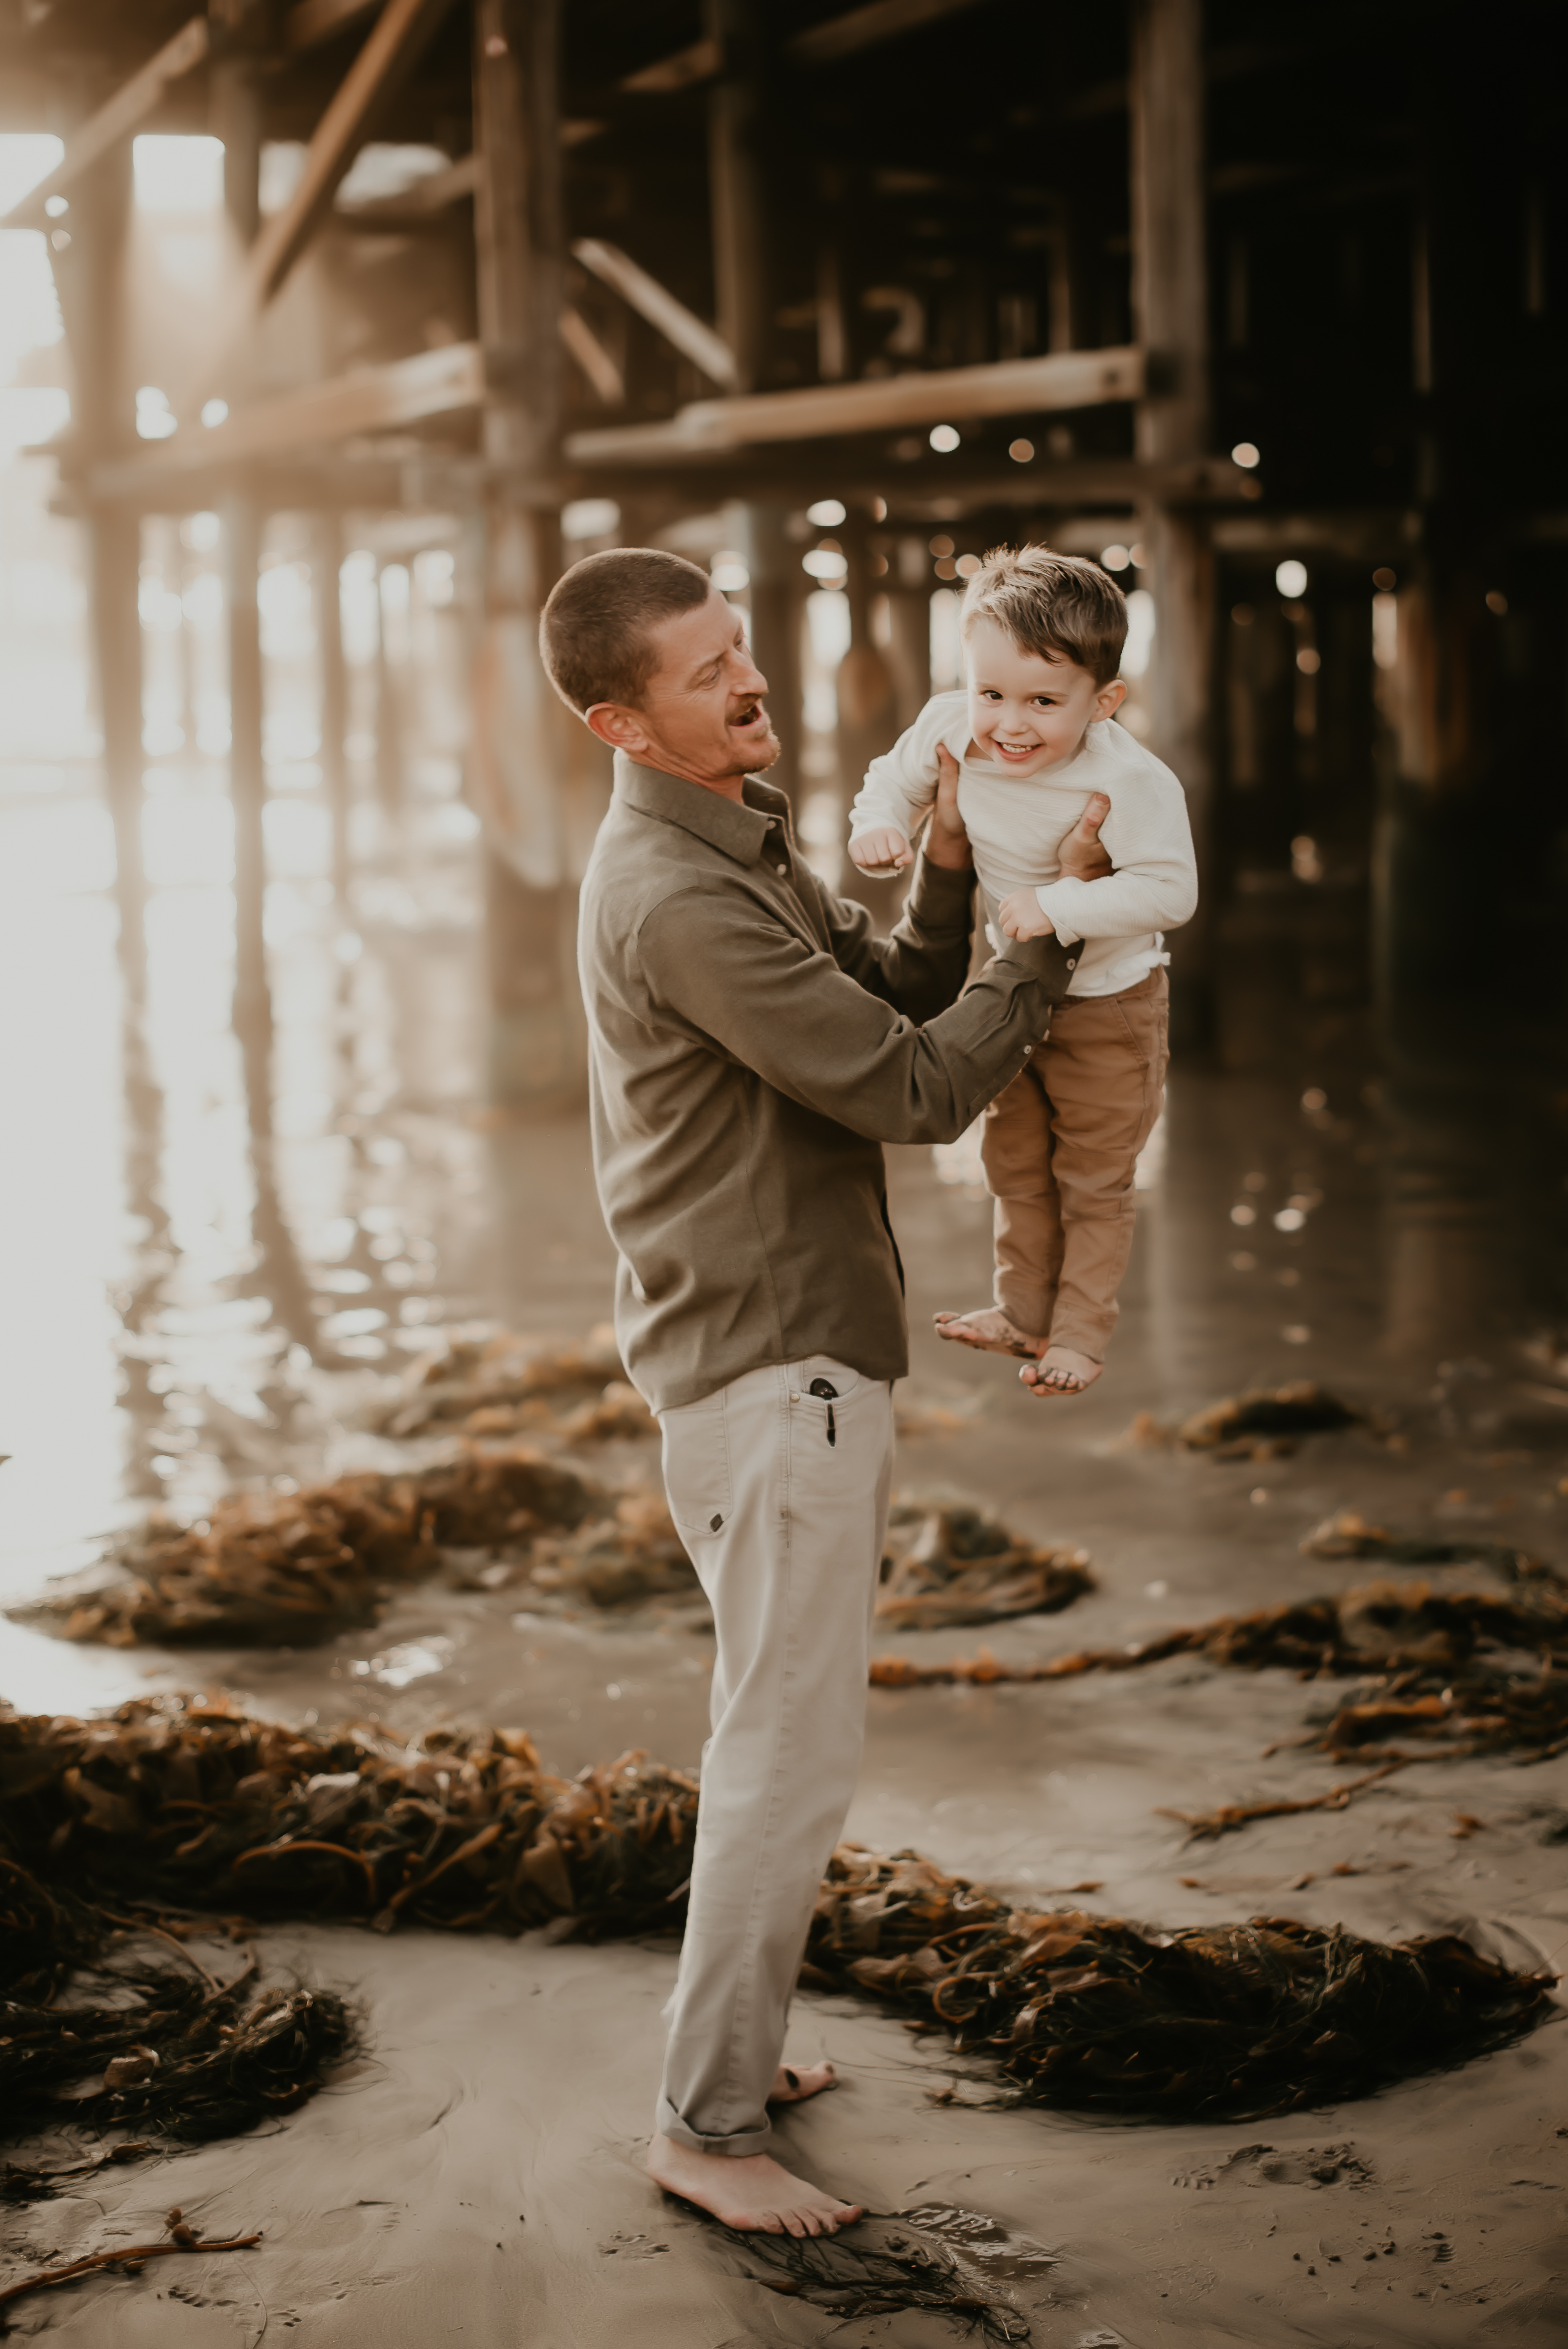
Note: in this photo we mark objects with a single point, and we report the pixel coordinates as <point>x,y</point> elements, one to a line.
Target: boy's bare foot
<point>793,2082</point>
<point>748,2189</point>
<point>987,1329</point>
<point>1061,1372</point>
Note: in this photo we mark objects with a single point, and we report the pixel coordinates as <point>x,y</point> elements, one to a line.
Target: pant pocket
<point>697,1481</point>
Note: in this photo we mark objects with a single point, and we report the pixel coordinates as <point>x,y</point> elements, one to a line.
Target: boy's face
<point>1028,712</point>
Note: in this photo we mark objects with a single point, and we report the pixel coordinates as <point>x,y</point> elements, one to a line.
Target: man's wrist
<point>950,856</point>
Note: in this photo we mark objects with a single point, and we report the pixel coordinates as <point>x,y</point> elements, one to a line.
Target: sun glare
<point>178,175</point>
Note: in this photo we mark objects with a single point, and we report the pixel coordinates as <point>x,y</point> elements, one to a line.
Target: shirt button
<point>1072,962</point>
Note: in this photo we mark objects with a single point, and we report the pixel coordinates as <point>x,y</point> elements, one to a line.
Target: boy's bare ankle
<point>990,1330</point>
<point>1060,1370</point>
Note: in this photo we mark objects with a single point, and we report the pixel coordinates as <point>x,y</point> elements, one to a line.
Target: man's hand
<point>1020,917</point>
<point>881,853</point>
<point>1083,858</point>
<point>947,841</point>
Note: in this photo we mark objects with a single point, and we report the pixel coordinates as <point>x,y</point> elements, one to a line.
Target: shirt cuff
<point>1044,897</point>
<point>945,892</point>
<point>1049,961</point>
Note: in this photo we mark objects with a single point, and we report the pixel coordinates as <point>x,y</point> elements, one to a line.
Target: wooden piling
<point>1171,321</point>
<point>242,521</point>
<point>537,1052</point>
<point>325,570</point>
<point>90,274</point>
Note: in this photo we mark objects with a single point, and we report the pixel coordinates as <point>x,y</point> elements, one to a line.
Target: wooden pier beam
<point>537,1049</point>
<point>89,274</point>
<point>326,587</point>
<point>241,517</point>
<point>235,117</point>
<point>1171,323</point>
<point>772,562</point>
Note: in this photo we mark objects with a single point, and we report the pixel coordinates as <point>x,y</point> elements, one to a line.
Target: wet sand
<point>476,2174</point>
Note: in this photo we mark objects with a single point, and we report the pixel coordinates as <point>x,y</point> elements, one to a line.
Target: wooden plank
<point>401,31</point>
<point>862,28</point>
<point>1065,379</point>
<point>114,121</point>
<point>315,21</point>
<point>742,302</point>
<point>423,198</point>
<point>841,37</point>
<point>593,359</point>
<point>1169,296</point>
<point>1171,314</point>
<point>442,382</point>
<point>699,63</point>
<point>677,325</point>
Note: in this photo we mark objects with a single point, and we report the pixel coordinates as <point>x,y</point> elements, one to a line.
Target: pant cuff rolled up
<point>1028,1309</point>
<point>743,2141</point>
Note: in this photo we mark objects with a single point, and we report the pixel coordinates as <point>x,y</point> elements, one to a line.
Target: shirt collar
<point>736,829</point>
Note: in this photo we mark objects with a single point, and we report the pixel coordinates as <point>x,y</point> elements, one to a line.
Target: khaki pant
<point>1058,1147</point>
<point>782,1499</point>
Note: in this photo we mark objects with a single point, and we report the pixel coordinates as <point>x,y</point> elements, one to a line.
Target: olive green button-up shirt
<point>752,1046</point>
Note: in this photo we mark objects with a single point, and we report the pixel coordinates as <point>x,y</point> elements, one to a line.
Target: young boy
<point>1034,740</point>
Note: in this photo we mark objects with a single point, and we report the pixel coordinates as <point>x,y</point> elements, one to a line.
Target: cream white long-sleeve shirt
<point>1017,824</point>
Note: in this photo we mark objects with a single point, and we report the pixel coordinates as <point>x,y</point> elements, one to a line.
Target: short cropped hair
<point>595,631</point>
<point>1052,604</point>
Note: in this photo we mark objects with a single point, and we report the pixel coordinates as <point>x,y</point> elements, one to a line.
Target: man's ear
<point>1110,697</point>
<point>619,726</point>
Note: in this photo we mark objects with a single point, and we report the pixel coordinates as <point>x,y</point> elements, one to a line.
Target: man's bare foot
<point>1061,1372</point>
<point>793,2082</point>
<point>748,2189</point>
<point>987,1329</point>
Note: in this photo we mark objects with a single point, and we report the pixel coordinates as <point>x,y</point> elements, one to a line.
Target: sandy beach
<point>475,2174</point>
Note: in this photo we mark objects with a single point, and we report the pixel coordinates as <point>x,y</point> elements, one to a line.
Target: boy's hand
<point>1082,856</point>
<point>880,852</point>
<point>1020,917</point>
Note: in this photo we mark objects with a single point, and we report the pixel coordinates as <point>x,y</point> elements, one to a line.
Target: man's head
<point>649,655</point>
<point>1043,637</point>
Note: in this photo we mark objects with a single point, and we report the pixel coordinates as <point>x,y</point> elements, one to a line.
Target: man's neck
<point>723,787</point>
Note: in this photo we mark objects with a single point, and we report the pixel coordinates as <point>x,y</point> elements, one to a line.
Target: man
<point>751,1047</point>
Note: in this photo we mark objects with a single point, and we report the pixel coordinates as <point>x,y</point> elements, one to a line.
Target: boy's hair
<point>595,631</point>
<point>1060,604</point>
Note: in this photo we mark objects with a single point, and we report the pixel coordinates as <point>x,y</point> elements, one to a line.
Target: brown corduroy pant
<point>1059,1146</point>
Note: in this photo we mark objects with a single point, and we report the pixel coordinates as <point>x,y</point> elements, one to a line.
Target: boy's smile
<point>1029,711</point>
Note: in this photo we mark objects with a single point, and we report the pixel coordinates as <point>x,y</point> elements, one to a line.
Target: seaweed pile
<point>115,1835</point>
<point>1217,2022</point>
<point>617,1561</point>
<point>174,1803</point>
<point>502,1385</point>
<point>1264,1423</point>
<point>100,2028</point>
<point>1457,1672</point>
<point>1348,1534</point>
<point>170,1810</point>
<point>295,1568</point>
<point>956,1565</point>
<point>888,2266</point>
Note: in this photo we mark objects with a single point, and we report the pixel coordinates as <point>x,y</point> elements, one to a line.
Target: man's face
<point>701,715</point>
